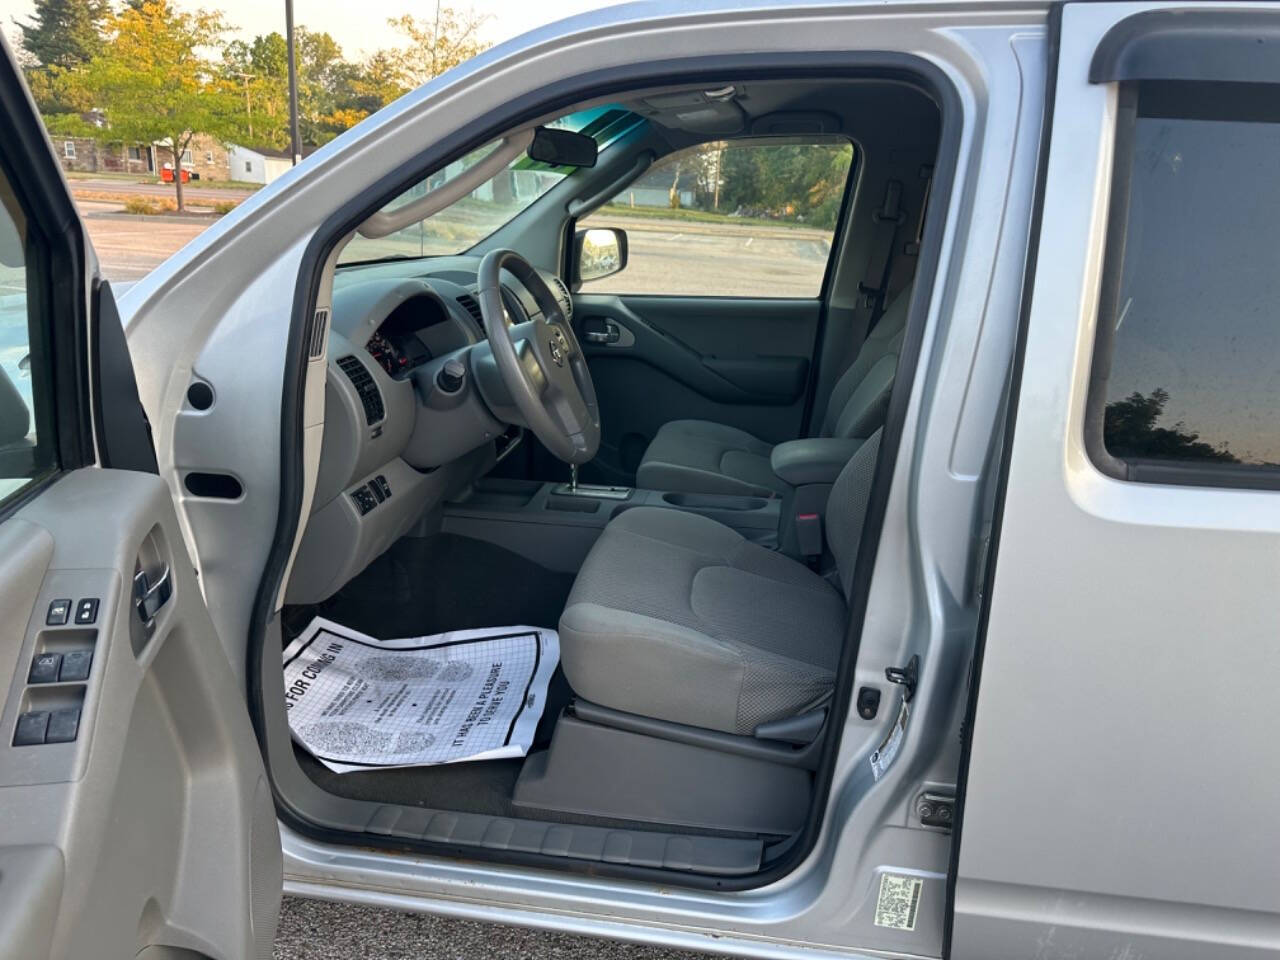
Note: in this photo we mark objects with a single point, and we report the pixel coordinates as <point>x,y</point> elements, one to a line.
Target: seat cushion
<point>678,617</point>
<point>698,456</point>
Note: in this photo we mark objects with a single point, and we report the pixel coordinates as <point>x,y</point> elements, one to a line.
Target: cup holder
<point>714,501</point>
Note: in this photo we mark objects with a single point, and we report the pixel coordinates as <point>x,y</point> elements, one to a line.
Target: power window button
<point>63,725</point>
<point>44,668</point>
<point>59,613</point>
<point>31,728</point>
<point>75,665</point>
<point>87,610</point>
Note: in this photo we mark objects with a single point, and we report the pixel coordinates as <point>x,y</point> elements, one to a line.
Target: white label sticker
<point>899,902</point>
<point>887,752</point>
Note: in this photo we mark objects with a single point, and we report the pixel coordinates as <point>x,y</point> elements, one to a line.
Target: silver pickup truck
<point>774,479</point>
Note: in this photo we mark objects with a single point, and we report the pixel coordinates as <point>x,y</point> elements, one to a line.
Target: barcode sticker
<point>899,902</point>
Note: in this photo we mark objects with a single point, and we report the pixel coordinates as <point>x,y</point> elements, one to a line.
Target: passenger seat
<point>700,456</point>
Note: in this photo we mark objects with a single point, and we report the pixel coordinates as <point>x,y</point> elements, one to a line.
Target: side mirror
<point>599,252</point>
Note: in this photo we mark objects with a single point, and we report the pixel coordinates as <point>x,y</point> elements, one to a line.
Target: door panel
<point>152,824</point>
<point>136,817</point>
<point>1122,780</point>
<point>742,362</point>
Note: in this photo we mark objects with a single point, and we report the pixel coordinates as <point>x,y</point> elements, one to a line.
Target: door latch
<point>907,677</point>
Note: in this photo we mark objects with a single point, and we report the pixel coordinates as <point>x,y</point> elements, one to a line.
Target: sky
<point>358,33</point>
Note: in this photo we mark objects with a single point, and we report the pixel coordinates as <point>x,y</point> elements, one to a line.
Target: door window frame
<point>57,298</point>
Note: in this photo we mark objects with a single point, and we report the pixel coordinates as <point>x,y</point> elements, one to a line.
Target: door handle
<point>148,597</point>
<point>598,330</point>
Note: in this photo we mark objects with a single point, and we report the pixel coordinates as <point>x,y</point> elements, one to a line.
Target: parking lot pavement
<point>131,247</point>
<point>316,930</point>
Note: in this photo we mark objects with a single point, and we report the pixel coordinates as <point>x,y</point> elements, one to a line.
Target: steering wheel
<point>540,361</point>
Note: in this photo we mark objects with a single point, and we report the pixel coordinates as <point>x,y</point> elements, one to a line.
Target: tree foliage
<point>435,45</point>
<point>1129,430</point>
<point>152,81</point>
<point>60,35</point>
<point>153,73</point>
<point>64,33</point>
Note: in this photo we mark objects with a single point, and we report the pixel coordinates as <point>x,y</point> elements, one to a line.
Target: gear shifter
<point>574,489</point>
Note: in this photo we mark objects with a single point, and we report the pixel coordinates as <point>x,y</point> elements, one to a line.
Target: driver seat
<point>677,617</point>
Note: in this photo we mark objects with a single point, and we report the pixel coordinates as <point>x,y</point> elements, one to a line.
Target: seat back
<point>860,397</point>
<point>847,509</point>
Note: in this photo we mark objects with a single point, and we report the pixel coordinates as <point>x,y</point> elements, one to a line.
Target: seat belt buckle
<point>809,534</point>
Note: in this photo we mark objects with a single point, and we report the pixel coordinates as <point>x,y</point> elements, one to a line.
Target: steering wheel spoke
<point>541,362</point>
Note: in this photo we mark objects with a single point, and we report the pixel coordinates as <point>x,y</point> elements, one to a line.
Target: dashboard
<point>400,438</point>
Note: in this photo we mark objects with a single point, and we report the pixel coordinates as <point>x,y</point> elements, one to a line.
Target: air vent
<point>565,298</point>
<point>472,307</point>
<point>319,330</point>
<point>361,379</point>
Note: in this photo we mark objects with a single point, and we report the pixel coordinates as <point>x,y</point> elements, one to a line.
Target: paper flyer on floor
<point>356,703</point>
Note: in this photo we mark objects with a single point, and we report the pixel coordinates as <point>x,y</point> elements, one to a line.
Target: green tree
<point>155,83</point>
<point>1129,430</point>
<point>60,35</point>
<point>436,44</point>
<point>64,33</point>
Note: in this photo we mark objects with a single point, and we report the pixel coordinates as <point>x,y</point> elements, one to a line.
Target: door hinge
<point>936,809</point>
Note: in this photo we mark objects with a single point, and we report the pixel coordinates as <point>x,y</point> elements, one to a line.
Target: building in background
<point>204,159</point>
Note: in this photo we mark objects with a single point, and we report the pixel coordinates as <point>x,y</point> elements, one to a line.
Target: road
<point>131,247</point>
<point>315,930</point>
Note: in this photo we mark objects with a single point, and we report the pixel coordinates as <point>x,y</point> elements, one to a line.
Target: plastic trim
<point>1241,46</point>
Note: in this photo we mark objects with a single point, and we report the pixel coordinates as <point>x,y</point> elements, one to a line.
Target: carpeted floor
<point>425,586</point>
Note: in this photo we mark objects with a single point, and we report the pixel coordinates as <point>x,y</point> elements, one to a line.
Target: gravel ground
<point>316,930</point>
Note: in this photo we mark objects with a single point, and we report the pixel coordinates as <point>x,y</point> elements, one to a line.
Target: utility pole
<point>295,141</point>
<point>248,104</point>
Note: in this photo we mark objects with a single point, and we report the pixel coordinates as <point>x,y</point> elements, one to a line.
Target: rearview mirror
<point>600,252</point>
<point>562,148</point>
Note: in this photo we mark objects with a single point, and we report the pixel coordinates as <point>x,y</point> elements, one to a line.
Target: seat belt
<point>875,282</point>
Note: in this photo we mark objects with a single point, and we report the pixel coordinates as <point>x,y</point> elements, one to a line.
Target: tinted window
<point>744,219</point>
<point>1191,308</point>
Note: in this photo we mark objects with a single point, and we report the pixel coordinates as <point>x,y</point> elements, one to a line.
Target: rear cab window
<point>752,218</point>
<point>1186,375</point>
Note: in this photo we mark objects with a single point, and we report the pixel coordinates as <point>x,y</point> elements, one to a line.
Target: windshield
<point>464,223</point>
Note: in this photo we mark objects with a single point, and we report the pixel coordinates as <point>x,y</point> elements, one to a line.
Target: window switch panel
<point>75,665</point>
<point>31,728</point>
<point>63,725</point>
<point>44,668</point>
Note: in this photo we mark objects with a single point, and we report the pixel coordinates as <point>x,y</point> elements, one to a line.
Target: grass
<point>700,216</point>
<point>147,178</point>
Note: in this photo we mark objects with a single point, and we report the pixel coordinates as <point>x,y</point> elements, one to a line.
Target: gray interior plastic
<point>154,826</point>
<point>542,524</point>
<point>812,459</point>
<point>601,771</point>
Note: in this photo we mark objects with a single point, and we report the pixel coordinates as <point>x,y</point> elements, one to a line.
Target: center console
<point>555,524</point>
